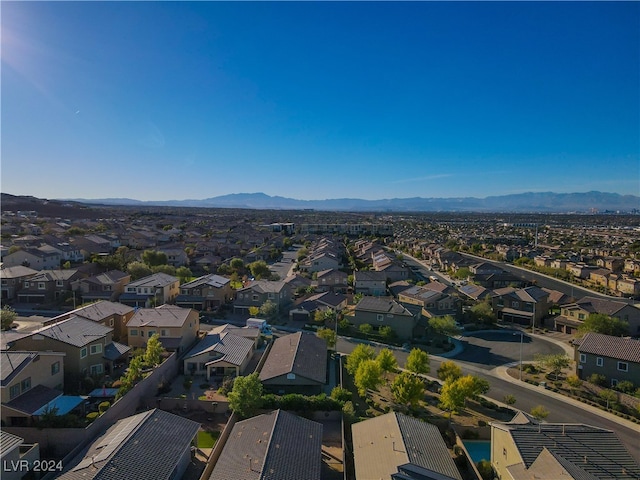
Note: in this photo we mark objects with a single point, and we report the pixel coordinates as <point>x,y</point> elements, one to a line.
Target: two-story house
<point>384,311</point>
<point>152,290</point>
<point>109,314</point>
<point>219,355</point>
<point>88,346</point>
<point>177,327</point>
<point>12,280</point>
<point>32,258</point>
<point>104,286</point>
<point>47,286</point>
<point>331,280</point>
<point>258,292</point>
<point>370,282</point>
<point>572,315</point>
<point>526,306</point>
<point>617,358</point>
<point>208,292</point>
<point>430,303</point>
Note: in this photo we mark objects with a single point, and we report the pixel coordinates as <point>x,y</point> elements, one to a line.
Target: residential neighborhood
<point>257,348</point>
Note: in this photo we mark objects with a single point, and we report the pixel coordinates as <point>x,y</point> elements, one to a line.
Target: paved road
<point>526,399</point>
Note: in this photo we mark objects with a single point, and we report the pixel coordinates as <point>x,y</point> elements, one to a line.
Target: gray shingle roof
<point>600,305</point>
<point>620,348</point>
<point>144,446</point>
<point>11,363</point>
<point>302,354</point>
<point>382,305</point>
<point>102,309</point>
<point>275,446</point>
<point>115,350</point>
<point>155,280</point>
<point>594,451</point>
<point>76,331</point>
<point>212,280</point>
<point>231,348</point>
<point>32,400</point>
<point>163,316</point>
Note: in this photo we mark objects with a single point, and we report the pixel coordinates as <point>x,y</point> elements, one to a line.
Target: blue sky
<point>164,100</point>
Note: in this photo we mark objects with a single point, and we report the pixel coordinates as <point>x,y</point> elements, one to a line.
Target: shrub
<point>482,423</point>
<point>103,407</point>
<point>341,394</point>
<point>598,379</point>
<point>625,386</point>
<point>226,386</point>
<point>485,469</point>
<point>92,416</point>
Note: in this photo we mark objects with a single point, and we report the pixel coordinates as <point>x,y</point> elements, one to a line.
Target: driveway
<point>490,349</point>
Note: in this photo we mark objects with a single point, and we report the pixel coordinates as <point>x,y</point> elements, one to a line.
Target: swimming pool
<point>478,449</point>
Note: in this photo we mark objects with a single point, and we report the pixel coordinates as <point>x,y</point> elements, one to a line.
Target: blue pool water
<point>478,449</point>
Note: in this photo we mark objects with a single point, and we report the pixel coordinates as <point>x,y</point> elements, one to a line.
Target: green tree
<point>418,361</point>
<point>462,273</point>
<point>138,270</point>
<point>7,317</point>
<point>341,394</point>
<point>153,258</point>
<point>554,362</point>
<point>407,389</point>
<point>574,381</point>
<point>449,371</point>
<point>260,270</point>
<point>609,396</point>
<point>329,335</point>
<point>482,312</point>
<point>539,412</point>
<point>268,309</point>
<point>168,269</point>
<point>601,323</point>
<point>387,361</point>
<point>254,311</point>
<point>153,353</point>
<point>485,469</point>
<point>387,332</point>
<point>246,397</point>
<point>365,328</point>
<point>444,325</point>
<point>368,376</point>
<point>454,393</point>
<point>359,354</point>
<point>184,274</point>
<point>237,264</point>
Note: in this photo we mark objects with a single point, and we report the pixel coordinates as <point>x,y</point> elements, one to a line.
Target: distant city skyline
<point>319,100</point>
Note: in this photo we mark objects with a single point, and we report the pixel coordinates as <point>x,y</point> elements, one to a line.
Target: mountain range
<point>539,202</point>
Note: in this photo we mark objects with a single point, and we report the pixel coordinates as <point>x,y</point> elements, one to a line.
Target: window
<point>55,368</point>
<point>14,391</point>
<point>599,362</point>
<point>96,369</point>
<point>271,295</point>
<point>255,298</point>
<point>164,333</point>
<point>380,317</point>
<point>515,304</point>
<point>59,283</point>
<point>133,332</point>
<point>623,366</point>
<point>583,358</point>
<point>151,333</point>
<point>95,349</point>
<point>25,384</point>
<point>41,286</point>
<point>83,352</point>
<point>614,382</point>
<point>581,316</point>
<point>26,284</point>
<point>111,322</point>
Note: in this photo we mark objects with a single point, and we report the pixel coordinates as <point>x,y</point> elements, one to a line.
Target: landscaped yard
<point>207,439</point>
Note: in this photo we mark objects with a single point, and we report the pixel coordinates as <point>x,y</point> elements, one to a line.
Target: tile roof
<point>115,350</point>
<point>34,399</point>
<point>302,354</point>
<point>8,442</point>
<point>620,348</point>
<point>264,286</point>
<point>102,309</point>
<point>76,331</point>
<point>584,449</point>
<point>163,316</point>
<point>274,446</point>
<point>154,280</point>
<point>600,305</point>
<point>383,444</point>
<point>16,272</point>
<point>382,305</point>
<point>211,280</point>
<point>230,347</point>
<point>148,445</point>
<point>11,363</point>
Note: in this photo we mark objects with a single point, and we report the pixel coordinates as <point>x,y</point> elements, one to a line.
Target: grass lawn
<point>207,439</point>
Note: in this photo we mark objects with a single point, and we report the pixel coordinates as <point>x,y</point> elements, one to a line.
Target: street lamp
<point>521,340</point>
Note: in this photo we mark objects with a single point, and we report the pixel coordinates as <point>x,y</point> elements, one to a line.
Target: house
<point>48,286</point>
<point>394,271</point>
<point>331,280</point>
<point>321,261</point>
<point>370,282</point>
<point>93,244</point>
<point>152,444</point>
<point>275,445</point>
<point>208,292</point>
<point>475,292</point>
<point>104,286</point>
<point>175,256</point>
<point>219,355</point>
<point>394,446</point>
<point>32,258</point>
<point>296,363</point>
<point>110,314</point>
<point>573,314</point>
<point>16,452</point>
<point>498,280</point>
<point>550,451</point>
<point>68,252</point>
<point>23,370</point>
<point>617,358</point>
<point>320,301</point>
<point>152,290</point>
<point>88,346</point>
<point>485,268</point>
<point>176,326</point>
<point>599,276</point>
<point>253,334</point>
<point>526,306</point>
<point>385,311</point>
<point>12,280</point>
<point>432,303</point>
<point>258,292</point>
